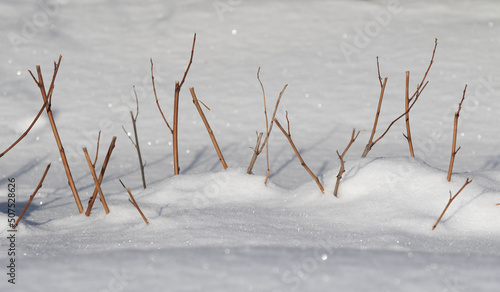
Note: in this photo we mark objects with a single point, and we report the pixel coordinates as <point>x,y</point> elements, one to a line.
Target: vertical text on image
<point>11,237</point>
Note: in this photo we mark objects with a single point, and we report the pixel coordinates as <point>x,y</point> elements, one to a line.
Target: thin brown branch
<point>407,115</point>
<point>136,143</point>
<point>32,196</point>
<point>176,128</point>
<point>419,89</point>
<point>467,181</point>
<point>379,76</point>
<point>206,106</point>
<point>132,200</point>
<point>341,157</point>
<point>96,180</point>
<point>97,151</point>
<point>455,129</point>
<point>255,153</point>
<point>156,98</point>
<point>210,132</point>
<point>175,132</point>
<point>26,132</point>
<point>136,104</point>
<point>190,62</point>
<point>273,116</point>
<point>138,148</point>
<point>370,143</point>
<point>267,126</point>
<point>101,175</point>
<point>289,137</point>
<point>47,98</point>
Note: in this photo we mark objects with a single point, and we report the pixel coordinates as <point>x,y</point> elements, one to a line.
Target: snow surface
<point>223,230</point>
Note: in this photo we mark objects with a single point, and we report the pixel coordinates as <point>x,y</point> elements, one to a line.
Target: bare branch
<point>26,132</point>
<point>96,180</point>
<point>341,157</point>
<point>255,153</point>
<point>32,196</point>
<point>47,98</point>
<point>467,181</point>
<point>97,151</point>
<point>156,98</point>
<point>455,129</point>
<point>210,132</point>
<point>132,200</point>
<point>407,104</point>
<point>101,175</point>
<point>287,135</point>
<point>190,62</point>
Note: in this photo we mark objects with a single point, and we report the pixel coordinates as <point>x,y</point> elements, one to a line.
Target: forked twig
<point>27,131</point>
<point>174,130</point>
<point>210,132</point>
<point>136,143</point>
<point>413,100</point>
<point>47,99</point>
<point>32,196</point>
<point>255,153</point>
<point>341,157</point>
<point>132,200</point>
<point>269,127</point>
<point>454,143</point>
<point>101,175</point>
<point>467,181</point>
<point>289,137</point>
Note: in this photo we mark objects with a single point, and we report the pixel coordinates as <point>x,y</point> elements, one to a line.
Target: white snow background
<point>224,230</point>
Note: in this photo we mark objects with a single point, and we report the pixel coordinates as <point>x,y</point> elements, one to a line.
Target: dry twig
<point>341,157</point>
<point>132,200</point>
<point>96,180</point>
<point>27,131</point>
<point>32,196</point>
<point>455,129</point>
<point>136,143</point>
<point>413,100</point>
<point>47,99</point>
<point>467,181</point>
<point>269,128</point>
<point>174,130</point>
<point>210,132</point>
<point>101,175</point>
<point>255,153</point>
<point>289,137</point>
<point>407,116</point>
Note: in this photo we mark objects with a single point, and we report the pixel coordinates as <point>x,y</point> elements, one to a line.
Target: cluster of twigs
<point>269,128</point>
<point>409,103</point>
<point>259,147</point>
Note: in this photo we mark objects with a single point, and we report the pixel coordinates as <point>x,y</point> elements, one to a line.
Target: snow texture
<point>224,230</point>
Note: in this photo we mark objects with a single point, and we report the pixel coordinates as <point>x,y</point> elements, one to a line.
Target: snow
<point>224,230</point>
